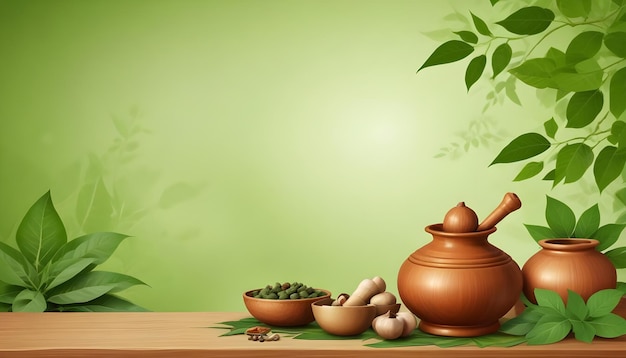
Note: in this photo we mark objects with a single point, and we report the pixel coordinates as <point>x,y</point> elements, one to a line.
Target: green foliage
<point>551,320</point>
<point>49,273</point>
<point>562,223</point>
<point>312,331</point>
<point>587,71</point>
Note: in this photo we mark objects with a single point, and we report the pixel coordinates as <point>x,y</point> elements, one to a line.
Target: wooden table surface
<point>186,334</point>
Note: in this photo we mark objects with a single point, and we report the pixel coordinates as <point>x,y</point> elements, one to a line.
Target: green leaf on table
<point>576,308</point>
<point>551,127</point>
<point>467,36</point>
<point>549,298</point>
<point>14,268</point>
<point>480,25</point>
<point>451,51</point>
<point>41,232</point>
<point>501,58</point>
<point>523,147</point>
<point>588,222</point>
<point>538,232</point>
<point>474,70</point>
<point>536,72</point>
<point>603,302</point>
<point>572,161</point>
<point>617,93</point>
<point>498,340</point>
<point>609,326</point>
<point>549,329</point>
<point>583,331</point>
<point>530,170</point>
<point>616,42</point>
<point>528,20</point>
<point>607,235</point>
<point>29,301</point>
<point>584,46</point>
<point>608,166</point>
<point>574,8</point>
<point>522,324</point>
<point>560,217</point>
<point>617,257</point>
<point>583,107</point>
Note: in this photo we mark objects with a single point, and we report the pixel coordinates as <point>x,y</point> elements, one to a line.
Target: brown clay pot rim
<point>437,229</point>
<point>568,244</point>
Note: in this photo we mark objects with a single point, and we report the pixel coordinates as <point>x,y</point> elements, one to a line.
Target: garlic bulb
<point>388,326</point>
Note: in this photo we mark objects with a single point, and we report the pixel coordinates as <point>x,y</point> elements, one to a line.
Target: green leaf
<point>622,287</point>
<point>29,301</point>
<point>498,340</point>
<point>557,56</point>
<point>618,132</point>
<point>572,162</point>
<point>118,281</point>
<point>475,70</point>
<point>549,329</point>
<point>480,25</point>
<point>93,206</point>
<point>588,223</point>
<point>617,93</point>
<point>607,235</point>
<point>451,51</point>
<point>511,92</point>
<point>616,42</point>
<point>77,294</point>
<point>608,166</point>
<point>549,298</point>
<point>41,232</point>
<point>584,46</point>
<point>108,303</point>
<point>603,302</point>
<point>617,257</point>
<point>609,326</point>
<point>99,246</point>
<point>536,72</point>
<point>583,107</point>
<point>523,323</point>
<point>583,331</point>
<point>493,2</point>
<point>530,170</point>
<point>550,175</point>
<point>64,270</point>
<point>550,126</point>
<point>8,293</point>
<point>467,36</point>
<point>501,58</point>
<point>523,147</point>
<point>528,21</point>
<point>560,217</point>
<point>574,8</point>
<point>576,307</point>
<point>90,285</point>
<point>540,232</point>
<point>14,268</point>
<point>576,81</point>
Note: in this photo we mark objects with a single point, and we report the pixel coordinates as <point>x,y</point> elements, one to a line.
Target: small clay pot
<point>459,284</point>
<point>572,264</point>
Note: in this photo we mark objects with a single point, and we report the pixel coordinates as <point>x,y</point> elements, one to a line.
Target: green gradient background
<point>273,140</point>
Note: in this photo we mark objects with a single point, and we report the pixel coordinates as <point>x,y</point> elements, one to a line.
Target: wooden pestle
<point>509,204</point>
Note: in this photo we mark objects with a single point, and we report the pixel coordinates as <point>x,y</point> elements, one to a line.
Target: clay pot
<point>564,264</point>
<point>459,284</point>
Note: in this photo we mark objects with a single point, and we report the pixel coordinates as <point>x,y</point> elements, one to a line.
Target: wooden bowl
<point>343,320</point>
<point>282,313</point>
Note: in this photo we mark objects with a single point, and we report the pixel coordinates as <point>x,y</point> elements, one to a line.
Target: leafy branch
<point>551,320</point>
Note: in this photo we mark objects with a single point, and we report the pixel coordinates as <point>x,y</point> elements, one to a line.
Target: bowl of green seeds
<point>283,304</point>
